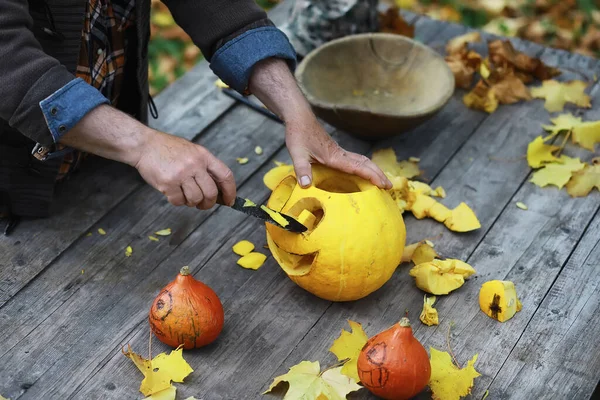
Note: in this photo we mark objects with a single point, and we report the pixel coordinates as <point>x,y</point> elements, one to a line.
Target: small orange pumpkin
<point>393,364</point>
<point>186,312</point>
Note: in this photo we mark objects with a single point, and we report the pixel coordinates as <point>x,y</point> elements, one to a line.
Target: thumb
<point>302,167</point>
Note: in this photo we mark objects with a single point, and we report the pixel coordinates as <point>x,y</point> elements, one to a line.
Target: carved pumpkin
<point>186,312</point>
<point>355,239</point>
<point>393,364</point>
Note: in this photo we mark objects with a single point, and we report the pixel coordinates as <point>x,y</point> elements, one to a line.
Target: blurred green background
<point>572,25</point>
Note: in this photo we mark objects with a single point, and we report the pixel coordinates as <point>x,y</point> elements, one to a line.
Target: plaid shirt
<point>102,56</point>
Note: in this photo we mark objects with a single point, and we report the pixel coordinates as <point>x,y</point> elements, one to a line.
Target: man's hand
<point>186,173</point>
<point>306,139</point>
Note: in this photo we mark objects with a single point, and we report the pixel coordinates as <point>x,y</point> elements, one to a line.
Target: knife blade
<point>266,214</point>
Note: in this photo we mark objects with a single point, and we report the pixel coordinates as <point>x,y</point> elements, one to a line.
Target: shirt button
<point>100,51</point>
<point>53,111</point>
<point>62,128</point>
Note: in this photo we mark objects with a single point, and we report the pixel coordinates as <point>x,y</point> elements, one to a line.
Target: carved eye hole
<point>312,206</point>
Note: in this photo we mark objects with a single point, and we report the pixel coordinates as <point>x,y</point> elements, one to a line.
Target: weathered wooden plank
<point>486,172</point>
<point>558,355</point>
<point>186,108</point>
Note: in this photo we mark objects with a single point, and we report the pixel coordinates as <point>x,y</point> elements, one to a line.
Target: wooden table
<point>69,301</point>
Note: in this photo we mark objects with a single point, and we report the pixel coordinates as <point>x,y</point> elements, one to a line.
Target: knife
<point>266,214</point>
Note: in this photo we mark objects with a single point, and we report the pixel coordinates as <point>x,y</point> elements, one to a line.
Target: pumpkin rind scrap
<point>354,244</point>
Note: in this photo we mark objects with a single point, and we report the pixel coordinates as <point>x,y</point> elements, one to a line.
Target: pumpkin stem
<point>185,271</point>
<point>404,322</point>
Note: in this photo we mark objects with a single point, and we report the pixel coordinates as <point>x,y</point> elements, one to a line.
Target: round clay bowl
<point>375,85</point>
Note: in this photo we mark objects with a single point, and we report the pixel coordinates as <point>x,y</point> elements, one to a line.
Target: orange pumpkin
<point>186,312</point>
<point>393,364</point>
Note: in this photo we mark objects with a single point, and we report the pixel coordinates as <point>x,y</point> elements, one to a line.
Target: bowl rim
<point>361,36</point>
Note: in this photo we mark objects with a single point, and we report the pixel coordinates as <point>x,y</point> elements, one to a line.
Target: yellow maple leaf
<point>348,346</point>
<point>307,382</point>
<point>563,122</point>
<point>386,160</point>
<point>161,370</point>
<point>558,93</point>
<point>583,181</point>
<point>557,174</point>
<point>448,382</point>
<point>587,134</point>
<point>539,153</point>
<point>429,315</point>
<point>441,276</point>
<point>128,251</point>
<point>243,247</point>
<point>168,394</point>
<point>163,232</point>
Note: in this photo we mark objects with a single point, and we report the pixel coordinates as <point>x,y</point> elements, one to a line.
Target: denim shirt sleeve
<point>233,61</point>
<point>68,105</point>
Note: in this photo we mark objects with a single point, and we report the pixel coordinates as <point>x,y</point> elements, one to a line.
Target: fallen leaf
<point>243,247</point>
<point>557,94</point>
<point>276,175</point>
<point>258,150</point>
<point>557,174</point>
<point>583,181</point>
<point>539,153</point>
<point>563,122</point>
<point>306,382</point>
<point>502,52</point>
<point>441,277</point>
<point>387,161</point>
<point>101,231</point>
<point>154,239</point>
<point>168,394</point>
<point>482,97</point>
<point>348,346</point>
<point>457,44</point>
<point>429,315</point>
<point>522,206</point>
<point>392,22</point>
<point>161,370</point>
<point>87,235</point>
<point>164,232</point>
<point>128,251</point>
<point>587,134</point>
<point>242,160</point>
<point>3,398</point>
<point>448,382</point>
<point>463,67</point>
<point>252,260</point>
<point>511,90</point>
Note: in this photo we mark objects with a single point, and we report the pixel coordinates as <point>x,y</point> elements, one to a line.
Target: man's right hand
<point>186,173</point>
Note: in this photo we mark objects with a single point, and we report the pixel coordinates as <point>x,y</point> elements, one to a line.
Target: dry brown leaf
<point>459,43</point>
<point>392,22</point>
<point>502,52</point>
<point>511,90</point>
<point>482,97</point>
<point>464,66</point>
